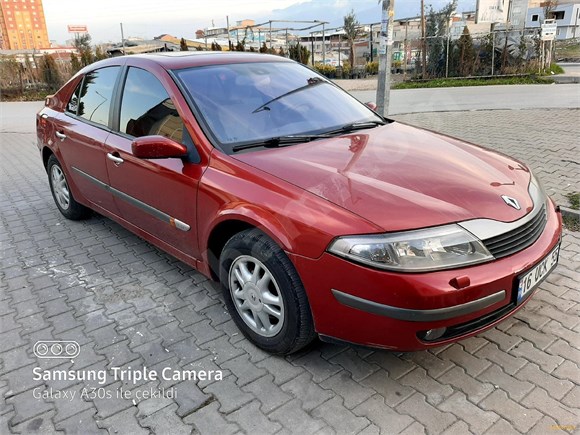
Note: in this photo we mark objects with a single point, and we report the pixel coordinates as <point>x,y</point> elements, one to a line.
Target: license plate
<point>531,279</point>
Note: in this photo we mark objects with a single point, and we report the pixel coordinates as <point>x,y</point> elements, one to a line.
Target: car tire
<point>61,193</point>
<point>264,293</point>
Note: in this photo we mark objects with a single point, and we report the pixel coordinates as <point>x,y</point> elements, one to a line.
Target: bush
<point>372,67</point>
<point>326,70</point>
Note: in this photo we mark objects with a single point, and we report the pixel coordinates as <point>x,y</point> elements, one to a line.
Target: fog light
<point>432,334</point>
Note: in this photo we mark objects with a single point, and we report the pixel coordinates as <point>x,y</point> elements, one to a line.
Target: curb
<point>566,80</point>
<point>570,213</point>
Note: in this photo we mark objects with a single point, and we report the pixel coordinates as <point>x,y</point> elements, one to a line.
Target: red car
<point>318,216</point>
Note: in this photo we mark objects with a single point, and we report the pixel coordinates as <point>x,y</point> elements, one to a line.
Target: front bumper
<point>378,308</point>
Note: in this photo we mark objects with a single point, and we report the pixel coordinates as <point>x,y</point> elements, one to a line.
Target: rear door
<point>81,132</point>
<point>156,195</point>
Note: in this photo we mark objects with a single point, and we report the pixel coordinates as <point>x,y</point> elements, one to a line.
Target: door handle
<point>60,135</point>
<point>117,160</point>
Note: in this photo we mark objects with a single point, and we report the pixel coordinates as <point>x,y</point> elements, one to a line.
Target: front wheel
<point>264,293</point>
<point>61,193</point>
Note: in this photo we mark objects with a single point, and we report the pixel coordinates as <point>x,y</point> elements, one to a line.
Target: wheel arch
<point>227,227</point>
<point>46,153</point>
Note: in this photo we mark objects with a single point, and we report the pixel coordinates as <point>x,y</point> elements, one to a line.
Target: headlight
<point>425,250</point>
<point>536,188</point>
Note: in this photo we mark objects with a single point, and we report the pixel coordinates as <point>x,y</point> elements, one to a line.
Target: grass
<point>568,49</point>
<point>27,96</point>
<point>555,69</point>
<point>570,223</point>
<point>450,83</point>
<point>574,200</point>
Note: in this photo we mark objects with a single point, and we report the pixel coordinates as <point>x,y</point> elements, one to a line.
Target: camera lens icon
<point>57,349</point>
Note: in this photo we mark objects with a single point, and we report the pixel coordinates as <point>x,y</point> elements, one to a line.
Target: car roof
<point>187,59</point>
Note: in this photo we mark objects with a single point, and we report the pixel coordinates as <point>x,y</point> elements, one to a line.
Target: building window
<point>559,15</point>
<point>535,17</point>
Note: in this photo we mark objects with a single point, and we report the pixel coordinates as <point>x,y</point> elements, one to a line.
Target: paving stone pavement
<point>128,304</point>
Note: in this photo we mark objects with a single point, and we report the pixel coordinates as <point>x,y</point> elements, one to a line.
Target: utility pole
<point>371,43</point>
<point>122,39</point>
<point>423,43</point>
<point>323,46</point>
<point>385,57</point>
<point>405,50</point>
<point>228,25</point>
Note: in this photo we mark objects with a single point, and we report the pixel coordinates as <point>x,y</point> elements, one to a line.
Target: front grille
<point>517,239</point>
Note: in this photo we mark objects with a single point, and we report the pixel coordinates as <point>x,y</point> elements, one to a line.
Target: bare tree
<point>549,7</point>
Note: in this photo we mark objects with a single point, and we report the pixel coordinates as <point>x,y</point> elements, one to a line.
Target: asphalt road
<point>571,68</point>
<point>479,98</point>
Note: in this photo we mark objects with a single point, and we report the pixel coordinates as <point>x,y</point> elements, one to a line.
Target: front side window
<point>251,102</point>
<point>146,108</point>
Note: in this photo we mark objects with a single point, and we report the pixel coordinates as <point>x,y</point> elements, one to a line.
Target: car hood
<point>401,177</point>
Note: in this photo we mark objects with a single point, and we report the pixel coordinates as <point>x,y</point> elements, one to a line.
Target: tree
<point>549,7</point>
<point>83,46</point>
<point>50,73</point>
<point>436,30</point>
<point>299,53</point>
<point>100,54</point>
<point>351,33</point>
<point>466,54</point>
<point>183,45</point>
<point>9,71</point>
<point>75,63</point>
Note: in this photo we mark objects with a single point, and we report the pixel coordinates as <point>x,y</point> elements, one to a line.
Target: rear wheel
<point>264,294</point>
<point>61,193</point>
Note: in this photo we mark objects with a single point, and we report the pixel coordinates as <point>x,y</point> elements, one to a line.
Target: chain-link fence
<point>485,54</point>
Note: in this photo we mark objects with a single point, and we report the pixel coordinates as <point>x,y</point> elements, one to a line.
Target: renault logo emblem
<point>512,202</point>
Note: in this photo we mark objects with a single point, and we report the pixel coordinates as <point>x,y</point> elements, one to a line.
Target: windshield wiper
<point>360,126</point>
<point>275,142</point>
<point>313,81</point>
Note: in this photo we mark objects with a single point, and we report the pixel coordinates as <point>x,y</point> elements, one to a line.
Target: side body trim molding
<point>175,223</point>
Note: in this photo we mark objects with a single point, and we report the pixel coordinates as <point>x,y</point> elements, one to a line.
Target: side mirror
<point>371,106</point>
<point>157,147</point>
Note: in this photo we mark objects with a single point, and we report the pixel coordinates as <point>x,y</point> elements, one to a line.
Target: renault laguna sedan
<point>317,216</point>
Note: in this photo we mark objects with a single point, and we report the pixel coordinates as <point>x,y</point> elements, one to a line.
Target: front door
<point>158,196</point>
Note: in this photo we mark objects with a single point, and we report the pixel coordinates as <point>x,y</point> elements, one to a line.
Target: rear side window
<point>95,95</point>
<point>146,108</point>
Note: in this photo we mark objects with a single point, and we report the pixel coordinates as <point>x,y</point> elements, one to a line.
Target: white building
<point>567,18</point>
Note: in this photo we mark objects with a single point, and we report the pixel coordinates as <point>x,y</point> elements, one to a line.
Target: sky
<point>181,18</point>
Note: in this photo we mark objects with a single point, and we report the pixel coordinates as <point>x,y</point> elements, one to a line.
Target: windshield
<point>254,102</point>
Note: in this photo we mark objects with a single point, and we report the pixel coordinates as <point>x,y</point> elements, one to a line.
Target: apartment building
<point>22,25</point>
